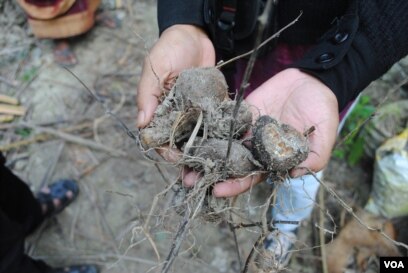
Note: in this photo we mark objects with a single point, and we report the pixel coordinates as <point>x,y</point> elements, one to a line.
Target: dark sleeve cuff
<point>343,60</point>
<point>172,12</point>
<point>353,72</point>
<point>349,57</point>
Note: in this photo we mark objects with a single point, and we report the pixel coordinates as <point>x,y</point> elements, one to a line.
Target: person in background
<point>59,20</point>
<point>21,213</point>
<point>308,77</point>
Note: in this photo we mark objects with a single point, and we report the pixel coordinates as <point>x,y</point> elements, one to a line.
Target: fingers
<point>227,188</point>
<point>148,92</point>
<point>158,69</point>
<point>190,177</point>
<point>317,158</point>
<point>145,113</point>
<point>179,47</point>
<point>313,163</point>
<point>233,187</point>
<point>321,142</point>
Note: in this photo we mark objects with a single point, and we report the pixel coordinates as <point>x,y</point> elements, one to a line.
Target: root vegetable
<point>196,115</point>
<point>202,92</point>
<point>196,90</point>
<point>279,147</point>
<point>205,88</point>
<point>221,118</point>
<point>171,128</point>
<point>208,156</point>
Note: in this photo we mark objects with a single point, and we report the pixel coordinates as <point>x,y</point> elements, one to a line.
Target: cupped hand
<point>180,47</point>
<point>298,99</point>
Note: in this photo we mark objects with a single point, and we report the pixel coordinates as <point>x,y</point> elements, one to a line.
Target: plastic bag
<point>389,195</point>
<point>390,120</point>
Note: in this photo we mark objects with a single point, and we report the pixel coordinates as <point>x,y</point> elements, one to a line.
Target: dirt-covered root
<point>171,128</point>
<point>219,120</point>
<point>178,201</point>
<point>265,261</point>
<point>196,116</point>
<point>208,156</point>
<point>196,91</point>
<point>204,88</point>
<point>279,147</point>
<point>214,209</point>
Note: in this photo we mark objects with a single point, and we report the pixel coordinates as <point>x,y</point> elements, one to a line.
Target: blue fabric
<point>295,200</point>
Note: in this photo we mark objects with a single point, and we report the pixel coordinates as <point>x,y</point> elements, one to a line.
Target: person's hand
<point>298,99</point>
<point>179,47</point>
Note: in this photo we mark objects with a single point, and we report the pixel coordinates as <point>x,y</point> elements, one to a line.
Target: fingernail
<point>140,118</point>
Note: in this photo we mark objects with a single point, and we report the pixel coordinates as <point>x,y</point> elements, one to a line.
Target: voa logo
<point>393,264</point>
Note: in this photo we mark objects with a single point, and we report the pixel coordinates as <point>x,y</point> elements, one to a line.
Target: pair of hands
<point>291,96</point>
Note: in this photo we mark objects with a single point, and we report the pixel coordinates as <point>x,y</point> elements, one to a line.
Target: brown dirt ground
<point>103,225</point>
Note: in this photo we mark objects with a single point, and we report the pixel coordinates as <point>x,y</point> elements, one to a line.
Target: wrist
<point>194,41</point>
<point>192,30</point>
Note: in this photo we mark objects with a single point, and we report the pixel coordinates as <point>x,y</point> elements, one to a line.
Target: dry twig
<point>351,211</point>
<point>75,139</point>
<point>321,231</point>
<point>262,20</point>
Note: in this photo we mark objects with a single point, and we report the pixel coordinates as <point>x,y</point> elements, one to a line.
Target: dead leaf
<point>356,239</point>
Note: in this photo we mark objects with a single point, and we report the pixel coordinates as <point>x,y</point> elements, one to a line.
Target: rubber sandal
<point>57,191</point>
<point>76,269</point>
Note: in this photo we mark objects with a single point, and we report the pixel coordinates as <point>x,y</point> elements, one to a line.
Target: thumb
<point>320,151</point>
<point>148,92</point>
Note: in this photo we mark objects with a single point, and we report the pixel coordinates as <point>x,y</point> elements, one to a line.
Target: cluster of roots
<point>195,116</point>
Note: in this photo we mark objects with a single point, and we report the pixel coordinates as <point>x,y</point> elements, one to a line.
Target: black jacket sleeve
<point>171,12</point>
<point>360,47</point>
